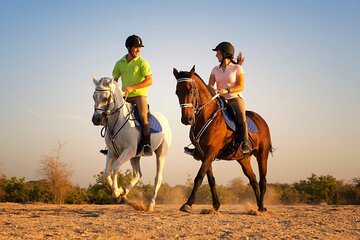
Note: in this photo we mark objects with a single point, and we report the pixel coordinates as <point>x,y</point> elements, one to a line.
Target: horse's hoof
<point>151,207</point>
<point>121,200</point>
<point>185,208</point>
<point>118,199</point>
<point>263,209</point>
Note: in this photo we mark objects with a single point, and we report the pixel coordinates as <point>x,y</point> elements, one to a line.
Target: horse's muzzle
<point>99,119</point>
<point>188,120</point>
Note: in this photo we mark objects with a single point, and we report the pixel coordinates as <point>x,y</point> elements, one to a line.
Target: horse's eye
<point>105,99</point>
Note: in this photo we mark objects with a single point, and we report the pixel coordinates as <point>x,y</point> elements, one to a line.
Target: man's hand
<point>129,89</point>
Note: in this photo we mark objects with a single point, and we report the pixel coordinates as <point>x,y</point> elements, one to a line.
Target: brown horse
<point>211,137</point>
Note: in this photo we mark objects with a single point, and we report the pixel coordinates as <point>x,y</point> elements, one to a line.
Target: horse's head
<point>187,94</point>
<point>107,97</point>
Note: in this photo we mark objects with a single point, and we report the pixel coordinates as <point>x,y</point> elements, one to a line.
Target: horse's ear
<point>176,73</point>
<point>192,71</point>
<point>96,82</point>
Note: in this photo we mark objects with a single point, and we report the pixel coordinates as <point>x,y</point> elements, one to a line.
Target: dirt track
<point>42,221</point>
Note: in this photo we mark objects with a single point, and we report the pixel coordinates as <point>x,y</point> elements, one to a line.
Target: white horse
<point>122,137</point>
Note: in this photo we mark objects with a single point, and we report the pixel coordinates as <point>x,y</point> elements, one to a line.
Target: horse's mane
<point>210,89</point>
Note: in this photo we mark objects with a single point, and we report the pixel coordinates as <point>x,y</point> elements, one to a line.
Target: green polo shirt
<point>132,73</point>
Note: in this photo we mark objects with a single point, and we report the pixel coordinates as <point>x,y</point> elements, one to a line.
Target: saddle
<point>232,124</point>
<point>229,116</point>
<point>154,124</point>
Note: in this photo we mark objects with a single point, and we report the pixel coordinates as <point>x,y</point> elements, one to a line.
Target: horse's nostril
<point>96,120</point>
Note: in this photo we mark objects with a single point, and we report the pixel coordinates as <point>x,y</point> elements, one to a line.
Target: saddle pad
<point>154,124</point>
<point>231,124</point>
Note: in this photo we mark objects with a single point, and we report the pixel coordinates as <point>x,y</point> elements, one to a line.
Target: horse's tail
<point>271,149</point>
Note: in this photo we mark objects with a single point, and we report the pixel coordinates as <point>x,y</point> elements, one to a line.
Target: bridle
<point>105,110</point>
<point>195,95</point>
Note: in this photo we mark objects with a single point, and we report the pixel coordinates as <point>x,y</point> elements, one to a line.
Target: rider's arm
<point>212,81</point>
<point>240,84</point>
<point>144,83</point>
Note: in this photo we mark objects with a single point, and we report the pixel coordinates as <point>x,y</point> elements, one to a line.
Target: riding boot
<point>147,151</point>
<point>245,145</point>
<point>189,151</point>
<point>104,151</point>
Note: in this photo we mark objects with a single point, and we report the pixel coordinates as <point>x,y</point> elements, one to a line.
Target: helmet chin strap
<point>129,51</point>
<point>223,60</point>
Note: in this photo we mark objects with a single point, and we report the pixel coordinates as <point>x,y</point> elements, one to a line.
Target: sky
<point>301,75</point>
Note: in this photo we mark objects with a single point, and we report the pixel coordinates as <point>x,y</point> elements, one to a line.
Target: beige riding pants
<point>238,105</point>
<point>142,107</point>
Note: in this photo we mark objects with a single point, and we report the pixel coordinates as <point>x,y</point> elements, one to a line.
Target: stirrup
<point>189,151</point>
<point>104,151</point>
<point>147,151</point>
<point>245,148</point>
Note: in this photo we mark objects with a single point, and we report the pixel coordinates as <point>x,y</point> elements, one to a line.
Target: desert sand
<point>47,221</point>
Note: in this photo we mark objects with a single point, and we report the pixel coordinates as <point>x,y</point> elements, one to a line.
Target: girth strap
<point>202,130</point>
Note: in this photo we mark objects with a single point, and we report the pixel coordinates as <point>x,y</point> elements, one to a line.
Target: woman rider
<point>229,79</point>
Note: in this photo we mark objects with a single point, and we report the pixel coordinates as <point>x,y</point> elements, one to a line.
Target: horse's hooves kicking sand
<point>185,208</point>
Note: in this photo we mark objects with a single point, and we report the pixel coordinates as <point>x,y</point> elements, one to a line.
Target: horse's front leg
<point>123,158</point>
<point>212,184</point>
<point>107,175</point>
<point>197,183</point>
<point>135,164</point>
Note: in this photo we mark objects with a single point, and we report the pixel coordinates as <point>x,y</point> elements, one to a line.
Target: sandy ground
<point>45,221</point>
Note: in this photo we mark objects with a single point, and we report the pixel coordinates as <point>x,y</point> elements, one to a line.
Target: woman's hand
<point>222,91</point>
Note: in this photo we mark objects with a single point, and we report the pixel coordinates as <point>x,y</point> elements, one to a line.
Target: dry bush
<point>57,174</point>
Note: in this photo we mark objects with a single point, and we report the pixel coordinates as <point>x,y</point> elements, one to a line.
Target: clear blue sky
<point>301,72</point>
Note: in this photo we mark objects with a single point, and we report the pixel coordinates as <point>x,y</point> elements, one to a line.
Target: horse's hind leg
<point>212,184</point>
<point>160,160</point>
<point>262,163</point>
<point>249,173</point>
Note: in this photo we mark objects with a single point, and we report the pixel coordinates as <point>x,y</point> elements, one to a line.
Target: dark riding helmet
<point>226,48</point>
<point>133,41</point>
